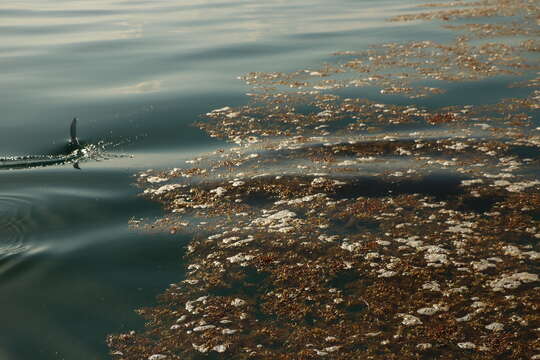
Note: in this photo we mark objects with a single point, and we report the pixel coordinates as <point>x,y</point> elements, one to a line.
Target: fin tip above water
<point>73,132</point>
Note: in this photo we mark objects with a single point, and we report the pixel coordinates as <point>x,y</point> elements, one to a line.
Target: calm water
<point>136,74</point>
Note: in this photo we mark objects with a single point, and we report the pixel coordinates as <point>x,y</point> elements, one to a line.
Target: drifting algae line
<point>337,233</point>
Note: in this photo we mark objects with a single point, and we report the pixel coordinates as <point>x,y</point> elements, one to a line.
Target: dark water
<point>137,74</point>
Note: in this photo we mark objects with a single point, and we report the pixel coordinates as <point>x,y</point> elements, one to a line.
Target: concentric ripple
<point>15,224</point>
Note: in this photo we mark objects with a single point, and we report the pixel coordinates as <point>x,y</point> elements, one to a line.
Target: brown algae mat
<point>340,228</point>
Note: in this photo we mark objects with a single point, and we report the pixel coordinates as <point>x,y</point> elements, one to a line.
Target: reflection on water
<point>141,88</point>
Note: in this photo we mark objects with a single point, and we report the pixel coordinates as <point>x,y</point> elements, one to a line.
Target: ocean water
<point>137,75</point>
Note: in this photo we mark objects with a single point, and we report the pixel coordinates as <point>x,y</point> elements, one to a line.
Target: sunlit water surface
<point>137,74</point>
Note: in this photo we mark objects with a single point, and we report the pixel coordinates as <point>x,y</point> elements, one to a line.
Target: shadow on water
<point>439,186</point>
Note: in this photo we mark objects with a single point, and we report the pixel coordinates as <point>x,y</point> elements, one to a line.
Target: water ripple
<point>16,224</point>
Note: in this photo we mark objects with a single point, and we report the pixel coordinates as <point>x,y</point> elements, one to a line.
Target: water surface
<point>137,74</point>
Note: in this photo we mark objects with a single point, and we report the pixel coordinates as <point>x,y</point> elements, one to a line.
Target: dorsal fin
<point>73,132</point>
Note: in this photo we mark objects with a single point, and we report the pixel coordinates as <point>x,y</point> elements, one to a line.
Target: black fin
<point>73,132</point>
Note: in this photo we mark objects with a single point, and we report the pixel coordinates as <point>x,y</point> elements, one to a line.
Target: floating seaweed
<point>342,228</point>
